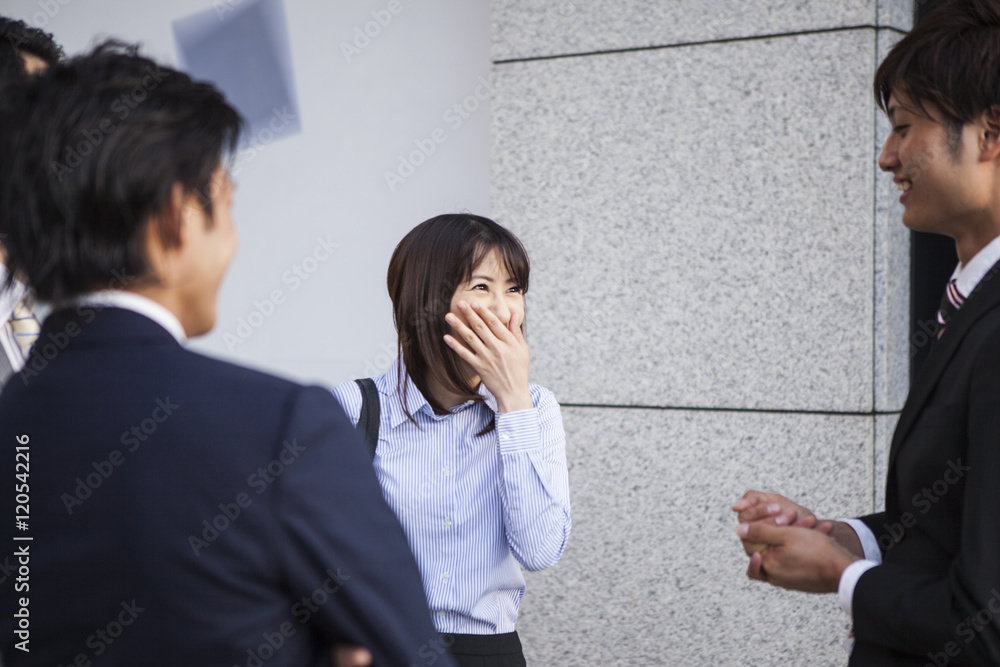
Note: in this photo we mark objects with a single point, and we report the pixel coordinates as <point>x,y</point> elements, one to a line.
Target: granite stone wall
<point>719,298</point>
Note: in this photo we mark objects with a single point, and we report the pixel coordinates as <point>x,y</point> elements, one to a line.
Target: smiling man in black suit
<point>921,579</point>
<point>171,509</point>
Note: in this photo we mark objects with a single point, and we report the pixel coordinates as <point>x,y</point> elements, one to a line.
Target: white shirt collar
<point>137,304</point>
<point>967,277</point>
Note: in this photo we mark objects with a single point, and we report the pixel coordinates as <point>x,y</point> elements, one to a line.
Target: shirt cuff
<point>518,431</point>
<point>849,580</point>
<point>868,542</point>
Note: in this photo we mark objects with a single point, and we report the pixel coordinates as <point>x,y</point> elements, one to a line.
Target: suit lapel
<point>984,298</point>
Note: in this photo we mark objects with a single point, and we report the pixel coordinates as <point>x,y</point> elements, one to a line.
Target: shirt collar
<point>137,304</point>
<point>415,400</point>
<point>967,277</point>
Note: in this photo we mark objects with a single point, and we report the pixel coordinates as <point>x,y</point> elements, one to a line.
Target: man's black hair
<point>950,59</point>
<point>17,38</point>
<point>82,183</point>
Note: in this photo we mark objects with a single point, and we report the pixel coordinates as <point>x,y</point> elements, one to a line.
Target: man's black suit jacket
<point>936,598</point>
<point>186,511</point>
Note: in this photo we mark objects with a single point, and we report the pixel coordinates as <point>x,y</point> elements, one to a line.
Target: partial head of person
<point>441,261</point>
<point>25,50</point>
<point>940,86</point>
<point>120,183</point>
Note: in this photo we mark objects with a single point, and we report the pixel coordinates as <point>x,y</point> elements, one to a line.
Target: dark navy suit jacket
<point>185,511</point>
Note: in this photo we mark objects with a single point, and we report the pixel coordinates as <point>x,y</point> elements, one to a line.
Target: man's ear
<point>989,134</point>
<point>164,235</point>
<point>172,219</point>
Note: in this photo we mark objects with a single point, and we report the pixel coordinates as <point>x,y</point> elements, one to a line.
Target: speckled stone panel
<point>896,14</point>
<point>885,426</point>
<point>700,221</point>
<point>654,574</point>
<point>531,28</point>
<point>892,274</point>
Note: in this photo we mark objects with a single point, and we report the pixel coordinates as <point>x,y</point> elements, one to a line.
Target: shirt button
<point>505,436</point>
<point>447,470</point>
<point>440,614</point>
<point>447,523</point>
<point>445,577</point>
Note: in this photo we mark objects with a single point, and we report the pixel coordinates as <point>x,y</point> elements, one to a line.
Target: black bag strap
<point>371,414</point>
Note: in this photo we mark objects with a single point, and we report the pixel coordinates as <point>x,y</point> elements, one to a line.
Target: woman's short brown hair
<point>426,268</point>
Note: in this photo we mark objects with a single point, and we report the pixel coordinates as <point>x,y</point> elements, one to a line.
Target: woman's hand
<point>498,354</point>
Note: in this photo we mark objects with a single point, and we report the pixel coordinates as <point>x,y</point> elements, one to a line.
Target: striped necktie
<point>950,303</point>
<point>25,327</point>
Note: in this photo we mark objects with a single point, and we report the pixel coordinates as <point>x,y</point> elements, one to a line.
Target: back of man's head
<point>91,151</point>
<point>950,59</point>
<point>18,39</point>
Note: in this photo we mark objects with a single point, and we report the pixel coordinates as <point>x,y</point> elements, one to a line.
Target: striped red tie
<point>950,303</point>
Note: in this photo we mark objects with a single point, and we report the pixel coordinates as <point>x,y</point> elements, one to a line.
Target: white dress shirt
<point>137,304</point>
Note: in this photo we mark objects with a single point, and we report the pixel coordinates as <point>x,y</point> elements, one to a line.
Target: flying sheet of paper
<point>242,47</point>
